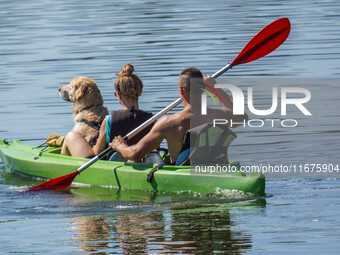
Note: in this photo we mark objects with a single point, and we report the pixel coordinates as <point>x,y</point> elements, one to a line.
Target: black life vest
<point>124,121</point>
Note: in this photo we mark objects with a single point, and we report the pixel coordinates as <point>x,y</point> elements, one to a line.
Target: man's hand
<point>209,80</point>
<point>117,142</point>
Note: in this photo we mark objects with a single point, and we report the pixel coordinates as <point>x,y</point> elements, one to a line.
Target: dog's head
<point>83,92</point>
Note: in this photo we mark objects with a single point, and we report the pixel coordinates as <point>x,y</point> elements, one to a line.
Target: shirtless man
<point>173,127</point>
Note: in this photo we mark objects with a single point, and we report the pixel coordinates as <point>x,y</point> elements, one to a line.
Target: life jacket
<point>124,121</point>
<point>202,145</point>
<point>206,144</point>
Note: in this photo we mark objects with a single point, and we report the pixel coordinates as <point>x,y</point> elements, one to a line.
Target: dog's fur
<point>88,109</point>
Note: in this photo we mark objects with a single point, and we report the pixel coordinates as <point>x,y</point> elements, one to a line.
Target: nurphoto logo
<point>288,96</point>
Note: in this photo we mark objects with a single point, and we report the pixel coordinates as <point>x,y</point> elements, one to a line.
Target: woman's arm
<point>101,141</point>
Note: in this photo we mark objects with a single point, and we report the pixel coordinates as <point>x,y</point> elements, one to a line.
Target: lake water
<point>44,44</point>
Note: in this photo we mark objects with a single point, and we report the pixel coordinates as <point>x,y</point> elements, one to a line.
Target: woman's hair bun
<point>127,70</point>
<point>128,83</point>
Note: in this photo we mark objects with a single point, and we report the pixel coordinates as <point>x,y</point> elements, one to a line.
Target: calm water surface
<point>44,44</point>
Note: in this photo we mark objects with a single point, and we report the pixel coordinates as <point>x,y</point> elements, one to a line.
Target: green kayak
<point>47,163</point>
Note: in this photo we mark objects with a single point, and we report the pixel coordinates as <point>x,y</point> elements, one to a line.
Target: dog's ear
<point>87,92</point>
<point>80,89</point>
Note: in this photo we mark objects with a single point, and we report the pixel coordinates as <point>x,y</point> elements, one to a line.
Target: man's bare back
<point>175,128</point>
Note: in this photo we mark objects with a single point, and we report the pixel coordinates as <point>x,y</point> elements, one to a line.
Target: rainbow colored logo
<point>210,94</point>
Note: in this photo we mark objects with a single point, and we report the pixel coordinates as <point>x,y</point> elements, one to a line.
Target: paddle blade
<point>266,41</point>
<point>61,182</point>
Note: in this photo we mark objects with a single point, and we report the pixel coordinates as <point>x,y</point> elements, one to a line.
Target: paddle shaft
<point>221,71</point>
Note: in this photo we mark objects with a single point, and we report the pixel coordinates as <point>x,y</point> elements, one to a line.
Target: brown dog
<point>88,109</point>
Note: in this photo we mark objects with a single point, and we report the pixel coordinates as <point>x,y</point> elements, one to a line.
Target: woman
<point>128,87</point>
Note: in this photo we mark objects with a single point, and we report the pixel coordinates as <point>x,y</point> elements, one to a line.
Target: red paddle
<point>61,182</point>
<point>263,43</point>
<point>266,41</point>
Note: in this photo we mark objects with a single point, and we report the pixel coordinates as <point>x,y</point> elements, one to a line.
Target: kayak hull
<point>48,164</point>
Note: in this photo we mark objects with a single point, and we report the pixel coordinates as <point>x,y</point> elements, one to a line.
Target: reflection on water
<point>107,220</point>
<point>204,231</point>
<point>123,221</point>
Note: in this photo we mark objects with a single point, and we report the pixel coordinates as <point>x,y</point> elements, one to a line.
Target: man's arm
<point>149,142</point>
